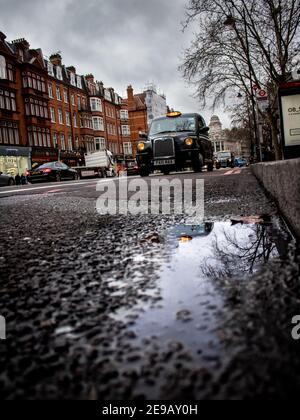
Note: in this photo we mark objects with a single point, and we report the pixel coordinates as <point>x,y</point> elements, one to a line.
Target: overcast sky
<point>121,42</point>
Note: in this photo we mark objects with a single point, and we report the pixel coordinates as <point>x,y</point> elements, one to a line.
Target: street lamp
<point>231,22</point>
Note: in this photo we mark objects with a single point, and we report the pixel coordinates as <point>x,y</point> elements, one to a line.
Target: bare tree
<point>259,45</point>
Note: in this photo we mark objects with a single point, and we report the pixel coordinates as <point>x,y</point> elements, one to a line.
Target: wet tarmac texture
<point>148,307</point>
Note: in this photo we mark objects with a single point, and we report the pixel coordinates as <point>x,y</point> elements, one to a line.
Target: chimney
<point>89,78</point>
<point>21,44</point>
<point>130,94</point>
<point>71,69</point>
<point>56,59</point>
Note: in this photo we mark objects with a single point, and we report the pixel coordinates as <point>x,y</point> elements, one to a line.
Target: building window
<point>68,121</point>
<point>3,72</point>
<point>58,94</point>
<point>50,69</point>
<point>66,98</point>
<point>10,72</point>
<point>107,95</point>
<point>36,108</point>
<point>59,73</point>
<point>73,79</point>
<point>125,130</point>
<point>9,132</point>
<point>79,82</point>
<point>127,148</point>
<point>73,99</point>
<point>52,115</point>
<point>7,100</point>
<point>98,124</point>
<point>75,120</point>
<point>60,117</point>
<point>96,104</point>
<point>124,114</point>
<point>62,142</point>
<point>78,101</point>
<point>100,144</point>
<point>50,90</point>
<point>77,143</point>
<point>54,139</point>
<point>70,144</point>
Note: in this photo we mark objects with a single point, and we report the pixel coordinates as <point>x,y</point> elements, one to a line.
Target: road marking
<point>75,184</point>
<point>236,171</point>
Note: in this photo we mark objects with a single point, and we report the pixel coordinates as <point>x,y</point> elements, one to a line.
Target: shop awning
<point>15,151</point>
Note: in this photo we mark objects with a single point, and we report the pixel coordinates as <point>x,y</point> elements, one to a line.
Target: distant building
<point>142,109</point>
<point>220,138</point>
<point>155,102</point>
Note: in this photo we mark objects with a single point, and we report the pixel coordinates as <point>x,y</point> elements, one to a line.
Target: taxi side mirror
<point>204,130</point>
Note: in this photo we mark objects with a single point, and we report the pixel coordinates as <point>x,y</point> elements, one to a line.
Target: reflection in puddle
<point>191,303</point>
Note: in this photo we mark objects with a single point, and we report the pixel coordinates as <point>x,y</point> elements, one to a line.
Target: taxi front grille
<point>164,148</point>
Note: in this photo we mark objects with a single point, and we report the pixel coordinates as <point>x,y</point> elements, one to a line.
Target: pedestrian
<point>18,179</point>
<point>23,179</point>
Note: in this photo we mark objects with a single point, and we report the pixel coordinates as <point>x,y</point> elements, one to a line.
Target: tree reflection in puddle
<point>244,247</point>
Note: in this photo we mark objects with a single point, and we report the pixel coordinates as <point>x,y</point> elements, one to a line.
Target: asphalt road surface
<point>146,307</point>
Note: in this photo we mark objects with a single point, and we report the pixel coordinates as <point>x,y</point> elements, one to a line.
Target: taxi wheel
<point>198,163</point>
<point>210,167</point>
<point>144,172</point>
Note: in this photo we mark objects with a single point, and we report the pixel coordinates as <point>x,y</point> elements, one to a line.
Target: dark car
<point>176,142</point>
<point>132,167</point>
<point>224,160</point>
<point>53,171</point>
<point>240,163</point>
<point>6,180</point>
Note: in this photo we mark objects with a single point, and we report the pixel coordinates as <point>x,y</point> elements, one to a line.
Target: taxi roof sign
<point>174,114</point>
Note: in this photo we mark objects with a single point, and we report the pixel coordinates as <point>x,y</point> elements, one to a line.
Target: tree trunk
<point>277,146</point>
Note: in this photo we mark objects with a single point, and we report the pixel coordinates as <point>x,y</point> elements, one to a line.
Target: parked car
<point>6,180</point>
<point>53,171</point>
<point>240,162</point>
<point>224,160</point>
<point>132,168</point>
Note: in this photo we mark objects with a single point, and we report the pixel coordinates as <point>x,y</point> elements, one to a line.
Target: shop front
<point>15,160</point>
<point>41,155</point>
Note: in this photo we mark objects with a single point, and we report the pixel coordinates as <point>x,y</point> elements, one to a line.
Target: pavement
<point>141,307</point>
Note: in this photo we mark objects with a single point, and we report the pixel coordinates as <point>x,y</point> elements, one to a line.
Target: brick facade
<point>49,112</point>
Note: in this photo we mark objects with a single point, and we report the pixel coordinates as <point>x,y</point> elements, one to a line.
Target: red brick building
<point>137,112</point>
<point>24,118</point>
<point>49,112</point>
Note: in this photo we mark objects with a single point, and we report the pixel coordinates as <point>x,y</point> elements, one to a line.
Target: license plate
<point>164,162</point>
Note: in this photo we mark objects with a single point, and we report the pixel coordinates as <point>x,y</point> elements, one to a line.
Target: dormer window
<point>3,72</point>
<point>79,82</point>
<point>73,79</point>
<point>50,69</point>
<point>59,73</point>
<point>107,95</point>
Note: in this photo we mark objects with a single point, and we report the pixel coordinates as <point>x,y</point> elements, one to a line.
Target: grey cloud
<point>120,41</point>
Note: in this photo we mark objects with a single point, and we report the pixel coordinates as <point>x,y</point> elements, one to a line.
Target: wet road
<point>145,306</point>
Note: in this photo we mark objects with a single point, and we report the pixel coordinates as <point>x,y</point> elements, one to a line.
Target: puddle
<point>191,301</point>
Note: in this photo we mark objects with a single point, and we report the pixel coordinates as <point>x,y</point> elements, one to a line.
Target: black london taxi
<point>174,143</point>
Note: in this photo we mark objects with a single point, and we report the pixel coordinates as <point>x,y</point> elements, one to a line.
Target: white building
<point>156,103</point>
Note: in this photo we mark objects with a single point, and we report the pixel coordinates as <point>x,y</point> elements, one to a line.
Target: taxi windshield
<point>173,125</point>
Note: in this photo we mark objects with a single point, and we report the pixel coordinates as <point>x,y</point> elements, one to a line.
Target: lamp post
<point>231,22</point>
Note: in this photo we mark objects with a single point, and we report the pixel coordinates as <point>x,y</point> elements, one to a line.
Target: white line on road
<point>74,184</point>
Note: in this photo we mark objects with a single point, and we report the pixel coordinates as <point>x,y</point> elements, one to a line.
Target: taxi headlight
<point>141,147</point>
<point>189,142</point>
